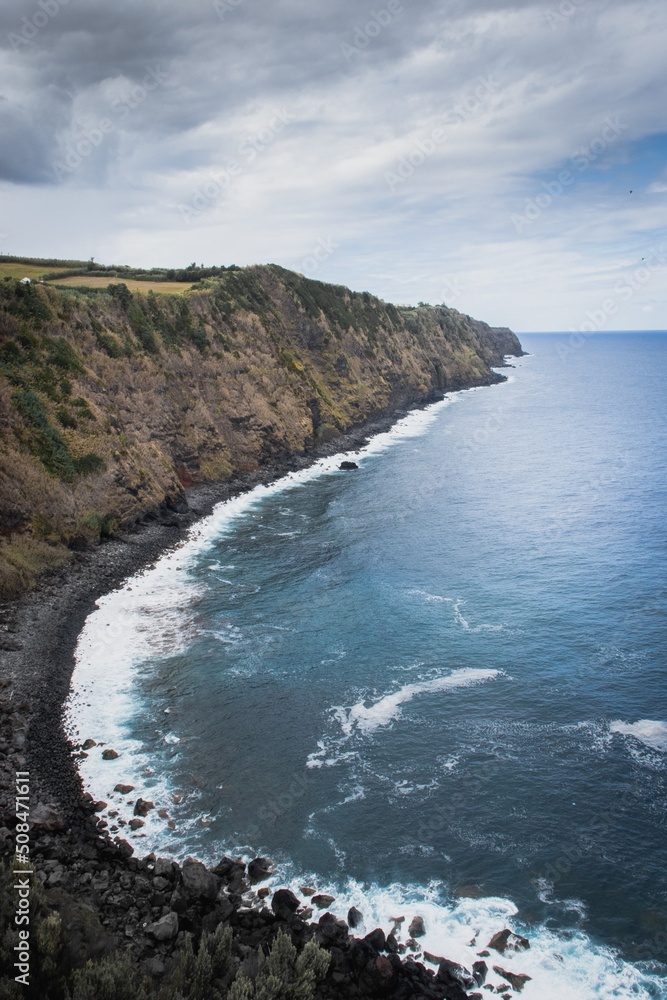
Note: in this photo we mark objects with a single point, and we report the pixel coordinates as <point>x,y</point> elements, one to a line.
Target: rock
<point>126,850</point>
<point>263,892</point>
<point>136,823</point>
<point>479,971</point>
<point>508,941</point>
<point>163,868</point>
<point>392,943</point>
<point>433,959</point>
<point>259,869</point>
<point>109,754</point>
<point>198,880</point>
<point>453,974</point>
<point>10,645</point>
<point>123,789</point>
<point>284,903</point>
<point>100,806</point>
<point>417,928</point>
<point>376,939</point>
<point>142,807</point>
<point>88,745</point>
<point>354,917</point>
<point>331,930</point>
<point>306,890</point>
<point>348,466</point>
<point>517,980</point>
<point>45,816</point>
<point>164,929</point>
<point>322,901</point>
<point>305,912</point>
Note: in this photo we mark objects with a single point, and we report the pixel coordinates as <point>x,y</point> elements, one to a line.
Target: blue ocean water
<point>438,681</point>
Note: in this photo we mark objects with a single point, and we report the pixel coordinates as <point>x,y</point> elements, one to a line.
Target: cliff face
<point>111,402</point>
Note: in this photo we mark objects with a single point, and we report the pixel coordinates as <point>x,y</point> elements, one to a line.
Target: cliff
<point>113,402</point>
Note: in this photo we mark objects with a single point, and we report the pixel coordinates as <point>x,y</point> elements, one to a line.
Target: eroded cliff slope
<point>112,402</point>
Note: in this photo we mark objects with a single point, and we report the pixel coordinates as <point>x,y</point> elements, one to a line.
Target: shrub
<point>281,975</point>
<point>89,463</point>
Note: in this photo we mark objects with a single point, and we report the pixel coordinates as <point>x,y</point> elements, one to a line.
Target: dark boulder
<point>331,930</point>
<point>284,903</point>
<point>517,980</point>
<point>198,881</point>
<point>348,466</point>
<point>354,917</point>
<point>259,869</point>
<point>376,939</point>
<point>479,971</point>
<point>508,941</point>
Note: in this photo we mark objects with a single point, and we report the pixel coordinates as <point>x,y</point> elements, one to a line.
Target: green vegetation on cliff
<point>112,400</point>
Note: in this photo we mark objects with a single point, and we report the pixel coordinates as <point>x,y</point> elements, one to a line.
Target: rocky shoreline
<point>108,899</point>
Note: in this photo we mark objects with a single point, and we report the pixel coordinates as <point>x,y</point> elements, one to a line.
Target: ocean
<point>435,685</point>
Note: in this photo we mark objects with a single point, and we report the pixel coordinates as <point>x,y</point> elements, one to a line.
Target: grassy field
<point>93,281</point>
<point>23,271</point>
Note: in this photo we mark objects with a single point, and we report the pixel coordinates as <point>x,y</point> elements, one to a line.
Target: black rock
<point>376,939</point>
<point>284,903</point>
<point>259,869</point>
<point>354,917</point>
<point>479,971</point>
<point>348,466</point>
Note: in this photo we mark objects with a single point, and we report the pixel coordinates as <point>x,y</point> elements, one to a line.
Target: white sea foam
<point>367,718</point>
<point>652,733</point>
<point>566,964</point>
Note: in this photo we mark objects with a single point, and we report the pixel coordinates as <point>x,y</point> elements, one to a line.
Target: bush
<point>89,463</point>
<point>281,975</point>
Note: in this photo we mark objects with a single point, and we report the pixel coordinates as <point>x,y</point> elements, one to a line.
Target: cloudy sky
<point>507,158</point>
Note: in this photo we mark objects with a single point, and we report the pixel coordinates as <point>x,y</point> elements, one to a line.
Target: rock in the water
<point>322,901</point>
<point>453,974</point>
<point>164,929</point>
<point>110,754</point>
<point>348,466</point>
<point>517,980</point>
<point>88,744</point>
<point>142,807</point>
<point>479,971</point>
<point>417,928</point>
<point>354,917</point>
<point>307,890</point>
<point>508,941</point>
<point>259,869</point>
<point>284,903</point>
<point>198,880</point>
<point>376,939</point>
<point>123,789</point>
<point>263,892</point>
<point>136,823</point>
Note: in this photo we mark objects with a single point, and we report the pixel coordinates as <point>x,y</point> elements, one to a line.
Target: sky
<point>507,159</point>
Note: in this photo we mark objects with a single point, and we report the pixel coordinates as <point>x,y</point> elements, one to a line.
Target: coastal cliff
<point>112,403</point>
